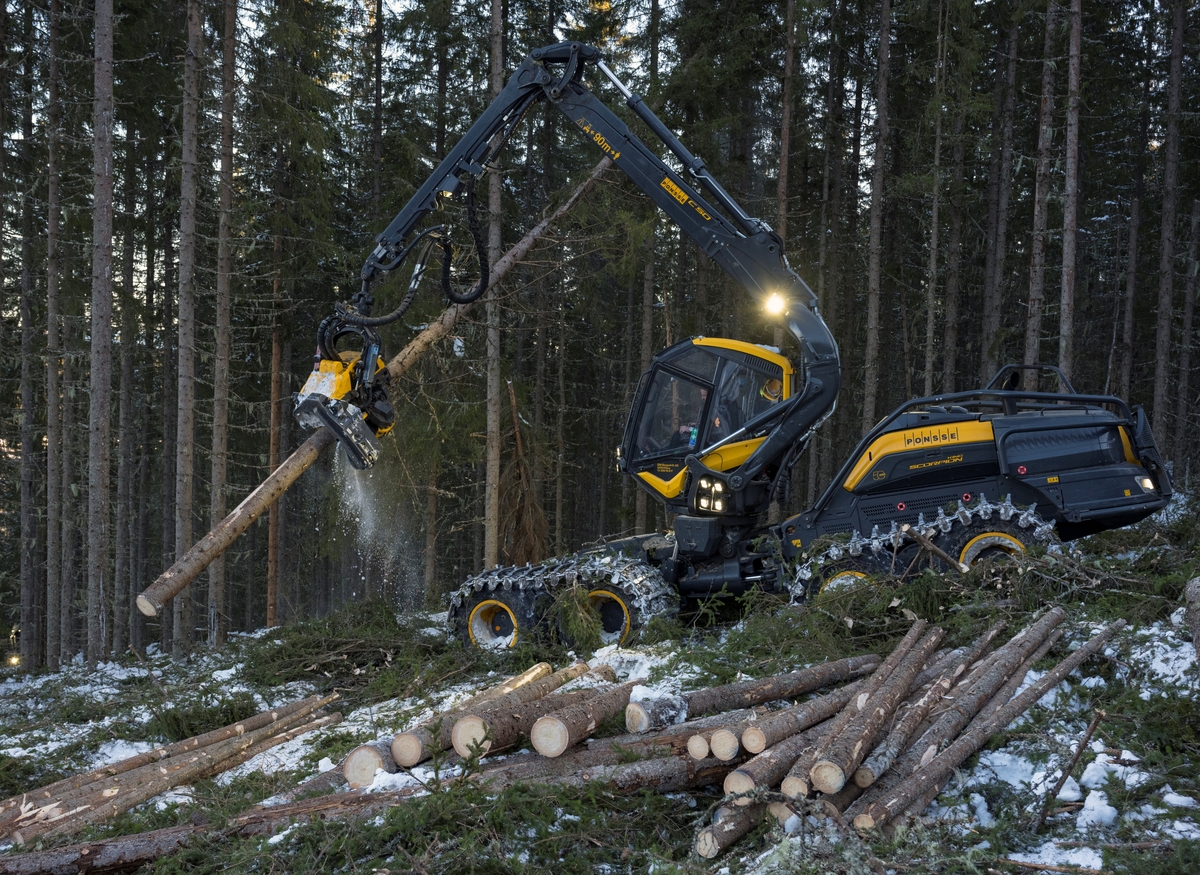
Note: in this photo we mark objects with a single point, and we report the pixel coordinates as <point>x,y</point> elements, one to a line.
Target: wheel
<point>495,619</point>
<point>617,615</point>
<point>994,530</point>
<point>836,569</point>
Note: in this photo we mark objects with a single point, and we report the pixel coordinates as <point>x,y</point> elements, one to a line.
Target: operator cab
<point>703,396</point>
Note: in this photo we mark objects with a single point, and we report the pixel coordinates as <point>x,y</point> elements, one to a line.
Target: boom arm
<point>746,248</point>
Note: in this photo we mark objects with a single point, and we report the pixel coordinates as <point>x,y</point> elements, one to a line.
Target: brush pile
<point>66,806</point>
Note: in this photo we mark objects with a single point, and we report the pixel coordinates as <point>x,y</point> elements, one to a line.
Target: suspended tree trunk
<point>875,243</point>
<point>1166,250</point>
<point>218,613</point>
<point>1066,307</point>
<point>993,273</point>
<point>31,550</point>
<point>931,277</point>
<point>54,505</point>
<point>491,500</point>
<point>186,399</point>
<point>1179,444</point>
<point>101,336</point>
<point>1041,204</point>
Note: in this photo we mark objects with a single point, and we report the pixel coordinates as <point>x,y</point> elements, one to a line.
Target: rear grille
<point>881,512</point>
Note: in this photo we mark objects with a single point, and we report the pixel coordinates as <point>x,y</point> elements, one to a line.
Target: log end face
<point>707,845</point>
<point>550,736</point>
<point>864,822</point>
<point>864,777</point>
<point>360,766</point>
<point>468,734</point>
<point>794,787</point>
<point>636,718</point>
<point>827,777</point>
<point>781,811</point>
<point>146,606</point>
<point>754,740</point>
<point>724,745</point>
<point>407,750</point>
<point>738,782</point>
<point>697,747</point>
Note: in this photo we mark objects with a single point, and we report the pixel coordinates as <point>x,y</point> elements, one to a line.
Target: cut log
<point>712,840</point>
<point>654,713</point>
<point>835,803</point>
<point>107,798</point>
<point>797,782</point>
<point>665,774</point>
<point>768,768</point>
<point>1191,614</point>
<point>273,741</point>
<point>553,734</point>
<point>775,727</point>
<point>698,747</point>
<point>9,808</point>
<point>365,760</point>
<point>497,729</point>
<point>845,752</point>
<point>419,743</point>
<point>781,811</point>
<point>976,736</point>
<point>679,734</point>
<point>724,743</point>
<point>1010,687</point>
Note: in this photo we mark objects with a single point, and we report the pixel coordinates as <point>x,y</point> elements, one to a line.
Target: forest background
<point>186,188</point>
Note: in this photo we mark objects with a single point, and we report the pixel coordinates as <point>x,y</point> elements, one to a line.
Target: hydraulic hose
<point>480,250</point>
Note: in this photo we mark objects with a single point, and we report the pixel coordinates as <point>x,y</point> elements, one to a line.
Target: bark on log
<point>31,817</point>
<point>654,713</point>
<point>796,783</point>
<point>749,693</point>
<point>976,736</point>
<point>1191,616</point>
<point>679,734</point>
<point>712,840</point>
<point>9,808</point>
<point>554,733</point>
<point>273,741</point>
<point>768,768</point>
<point>1006,692</point>
<point>845,753</point>
<point>410,748</point>
<point>108,798</point>
<point>497,729</point>
<point>775,727</point>
<point>419,743</point>
<point>665,774</point>
<point>723,742</point>
<point>188,567</point>
<point>781,811</point>
<point>835,803</point>
<point>906,727</point>
<point>365,760</point>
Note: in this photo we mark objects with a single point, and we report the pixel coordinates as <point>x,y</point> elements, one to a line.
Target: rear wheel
<point>496,620</point>
<point>617,616</point>
<point>996,531</point>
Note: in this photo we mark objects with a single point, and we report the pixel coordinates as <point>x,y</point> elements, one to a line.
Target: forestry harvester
<point>717,425</point>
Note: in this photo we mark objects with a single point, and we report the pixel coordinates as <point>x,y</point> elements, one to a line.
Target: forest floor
<point>1132,805</point>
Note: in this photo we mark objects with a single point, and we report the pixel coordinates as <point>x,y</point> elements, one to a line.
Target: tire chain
<point>652,596</point>
<point>894,539</point>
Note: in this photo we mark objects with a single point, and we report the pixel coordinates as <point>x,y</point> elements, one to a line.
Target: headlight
<point>710,495</point>
<point>1146,483</point>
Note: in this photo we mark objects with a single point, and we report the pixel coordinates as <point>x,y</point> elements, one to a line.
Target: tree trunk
<point>931,275</point>
<point>123,570</point>
<point>491,501</point>
<point>641,504</point>
<point>186,400</point>
<point>767,769</point>
<point>839,759</point>
<point>418,744</point>
<point>1041,204</point>
<point>1066,307</point>
<point>1179,445</point>
<point>68,497</point>
<point>169,387</point>
<point>364,761</point>
<point>498,728</point>
<point>431,532</point>
<point>993,277</point>
<point>100,384</point>
<point>273,464</point>
<point>1166,251</point>
<point>774,728</point>
<point>554,733</point>
<point>875,243</point>
<point>954,259</point>
<point>54,401</point>
<point>712,840</point>
<point>377,113</point>
<point>974,738</point>
<point>31,551</point>
<point>218,609</point>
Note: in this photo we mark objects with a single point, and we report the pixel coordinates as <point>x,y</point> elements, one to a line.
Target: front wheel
<point>495,620</point>
<point>995,531</point>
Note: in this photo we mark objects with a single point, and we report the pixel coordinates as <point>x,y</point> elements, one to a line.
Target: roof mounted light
<point>775,304</point>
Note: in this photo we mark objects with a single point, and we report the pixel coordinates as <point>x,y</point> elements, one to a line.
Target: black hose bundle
<point>480,250</point>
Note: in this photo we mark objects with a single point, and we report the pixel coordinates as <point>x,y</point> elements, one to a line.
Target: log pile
<point>68,805</point>
<point>877,746</point>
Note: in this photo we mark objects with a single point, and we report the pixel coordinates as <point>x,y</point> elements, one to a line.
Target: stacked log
<point>66,806</point>
<point>646,715</point>
<point>554,733</point>
<point>421,742</point>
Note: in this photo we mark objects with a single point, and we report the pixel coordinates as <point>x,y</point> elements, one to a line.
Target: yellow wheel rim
<point>844,578</point>
<point>602,597</point>
<point>1002,541</point>
<point>490,623</point>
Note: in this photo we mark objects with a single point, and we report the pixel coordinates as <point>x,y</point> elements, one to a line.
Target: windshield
<point>672,415</point>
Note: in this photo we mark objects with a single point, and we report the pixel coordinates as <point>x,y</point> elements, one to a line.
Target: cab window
<point>672,415</point>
